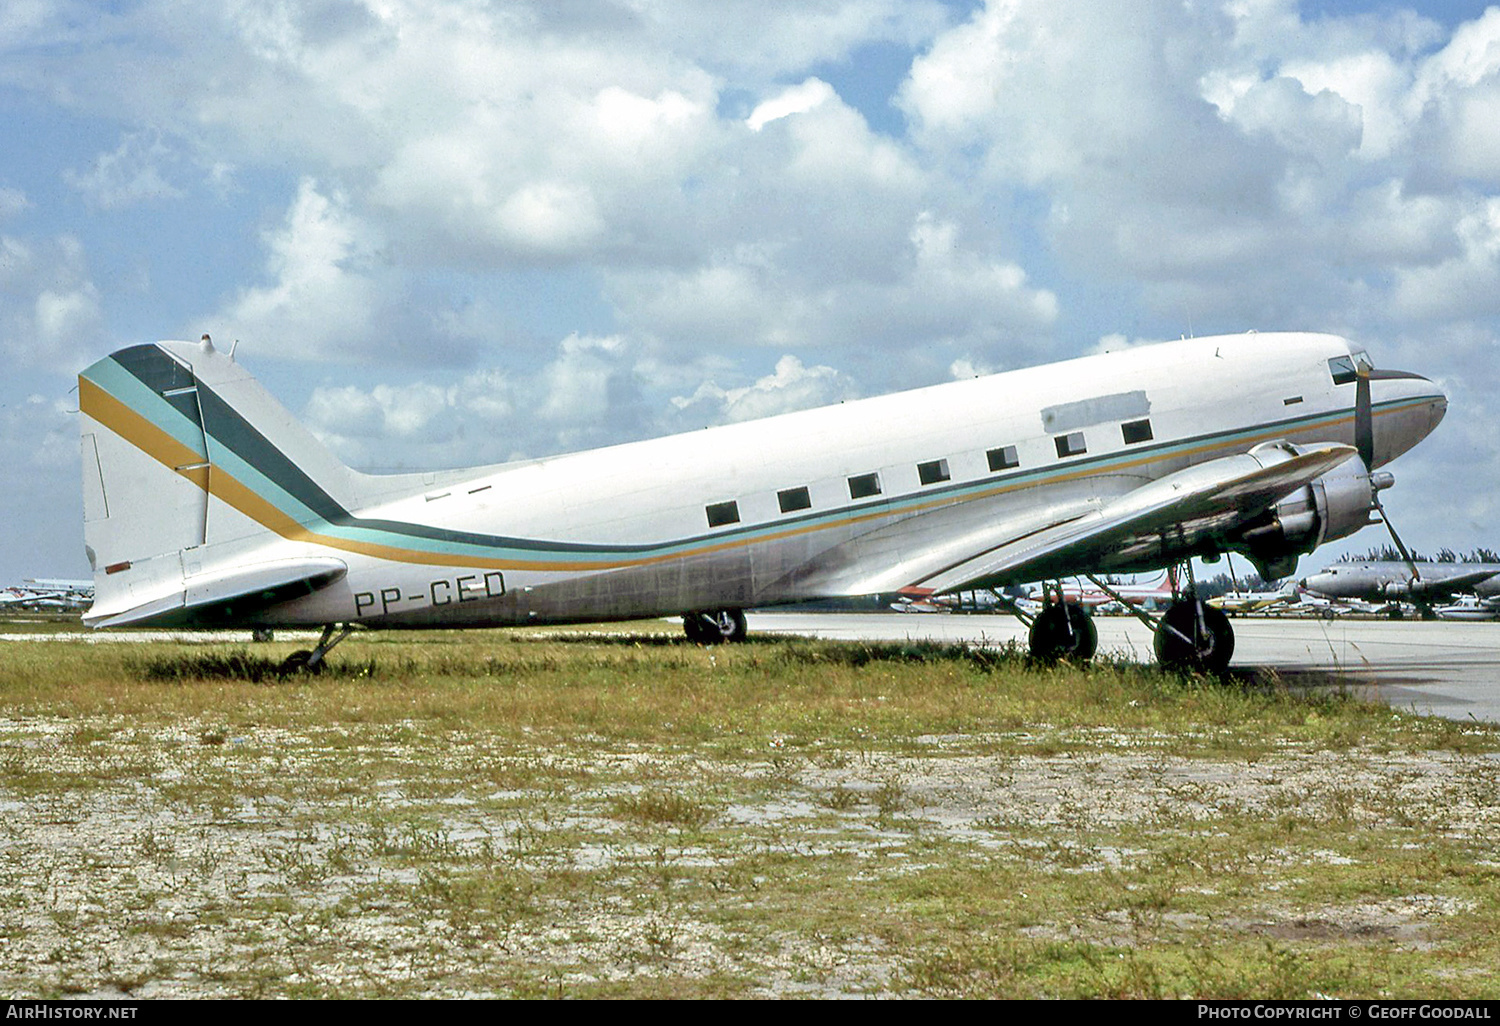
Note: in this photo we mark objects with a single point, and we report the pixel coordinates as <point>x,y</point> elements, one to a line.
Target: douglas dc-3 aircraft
<point>207,505</point>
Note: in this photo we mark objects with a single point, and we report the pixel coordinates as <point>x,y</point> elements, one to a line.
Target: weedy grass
<point>615,812</point>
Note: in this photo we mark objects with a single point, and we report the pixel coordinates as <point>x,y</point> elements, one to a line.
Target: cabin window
<point>862,486</point>
<point>932,472</point>
<point>1003,458</point>
<point>1071,444</point>
<point>721,514</point>
<point>793,499</point>
<point>1136,431</point>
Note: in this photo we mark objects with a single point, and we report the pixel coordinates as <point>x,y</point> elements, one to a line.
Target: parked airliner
<point>207,504</point>
<point>1421,582</point>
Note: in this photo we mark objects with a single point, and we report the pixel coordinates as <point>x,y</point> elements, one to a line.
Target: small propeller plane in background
<point>1243,603</point>
<point>207,505</point>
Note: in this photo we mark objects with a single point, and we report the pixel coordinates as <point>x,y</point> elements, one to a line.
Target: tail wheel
<point>1063,631</point>
<point>715,627</point>
<point>300,662</point>
<point>1195,636</point>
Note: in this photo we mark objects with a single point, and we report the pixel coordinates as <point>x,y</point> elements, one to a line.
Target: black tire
<point>1063,631</point>
<point>1183,643</point>
<point>715,627</point>
<point>300,662</point>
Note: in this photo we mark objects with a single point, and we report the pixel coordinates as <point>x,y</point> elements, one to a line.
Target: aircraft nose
<point>1408,408</point>
<point>1439,408</point>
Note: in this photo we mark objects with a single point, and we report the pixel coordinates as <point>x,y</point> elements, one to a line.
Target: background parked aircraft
<point>48,594</point>
<point>1243,602</point>
<point>1423,583</point>
<point>1154,594</point>
<point>1469,607</point>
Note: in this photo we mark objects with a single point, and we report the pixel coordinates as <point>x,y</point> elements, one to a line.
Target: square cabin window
<point>862,486</point>
<point>932,472</point>
<point>1136,431</point>
<point>1003,458</point>
<point>722,514</point>
<point>793,499</point>
<point>1071,444</point>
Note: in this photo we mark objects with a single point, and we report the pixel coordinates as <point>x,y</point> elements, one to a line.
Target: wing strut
<point>1139,614</point>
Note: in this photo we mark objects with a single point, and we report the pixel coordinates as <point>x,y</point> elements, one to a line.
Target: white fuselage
<point>784,508</point>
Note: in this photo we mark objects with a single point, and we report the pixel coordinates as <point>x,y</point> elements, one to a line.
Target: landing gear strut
<point>311,661</point>
<point>1062,630</point>
<point>1191,635</point>
<point>714,627</point>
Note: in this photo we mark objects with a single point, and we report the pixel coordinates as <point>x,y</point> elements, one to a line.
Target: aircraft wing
<point>1214,496</point>
<point>1423,587</point>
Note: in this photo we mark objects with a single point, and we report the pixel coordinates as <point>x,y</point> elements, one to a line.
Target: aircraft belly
<point>718,579</point>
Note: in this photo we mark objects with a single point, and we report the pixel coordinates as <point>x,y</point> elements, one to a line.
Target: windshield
<point>1347,368</point>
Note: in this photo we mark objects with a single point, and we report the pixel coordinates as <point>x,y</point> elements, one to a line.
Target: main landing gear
<point>1191,635</point>
<point>1062,630</point>
<point>715,626</point>
<point>311,661</point>
<point>1195,636</point>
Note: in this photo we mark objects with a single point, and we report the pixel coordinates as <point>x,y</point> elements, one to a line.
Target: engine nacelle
<point>1327,508</point>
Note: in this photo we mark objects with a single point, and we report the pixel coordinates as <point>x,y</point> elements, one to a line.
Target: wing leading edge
<point>1210,497</point>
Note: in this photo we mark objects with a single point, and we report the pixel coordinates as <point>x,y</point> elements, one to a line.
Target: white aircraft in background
<point>1151,594</point>
<point>206,504</point>
<point>1241,603</point>
<point>968,600</point>
<point>48,594</point>
<point>1469,607</point>
<point>1423,583</point>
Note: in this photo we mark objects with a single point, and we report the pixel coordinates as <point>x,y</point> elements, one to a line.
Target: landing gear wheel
<point>714,627</point>
<point>1063,631</point>
<point>1195,636</point>
<point>299,663</point>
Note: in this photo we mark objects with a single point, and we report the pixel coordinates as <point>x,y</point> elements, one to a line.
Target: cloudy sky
<point>454,231</point>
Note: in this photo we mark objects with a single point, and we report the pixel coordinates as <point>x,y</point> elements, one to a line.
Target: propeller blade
<point>1364,426</point>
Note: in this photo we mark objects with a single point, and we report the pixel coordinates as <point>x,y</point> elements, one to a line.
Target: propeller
<point>1364,442</point>
<point>1364,421</point>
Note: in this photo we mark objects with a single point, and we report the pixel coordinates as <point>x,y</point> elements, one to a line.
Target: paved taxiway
<point>1441,668</point>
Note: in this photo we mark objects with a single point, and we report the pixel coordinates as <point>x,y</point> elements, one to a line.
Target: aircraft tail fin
<point>188,463</point>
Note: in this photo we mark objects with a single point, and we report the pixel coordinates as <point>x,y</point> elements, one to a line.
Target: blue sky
<point>459,232</point>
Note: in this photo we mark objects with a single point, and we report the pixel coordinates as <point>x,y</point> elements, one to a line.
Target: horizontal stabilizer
<point>234,595</point>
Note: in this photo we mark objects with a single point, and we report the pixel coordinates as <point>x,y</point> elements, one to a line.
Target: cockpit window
<point>1346,368</point>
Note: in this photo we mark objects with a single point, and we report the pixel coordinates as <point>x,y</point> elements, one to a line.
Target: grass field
<point>619,813</point>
